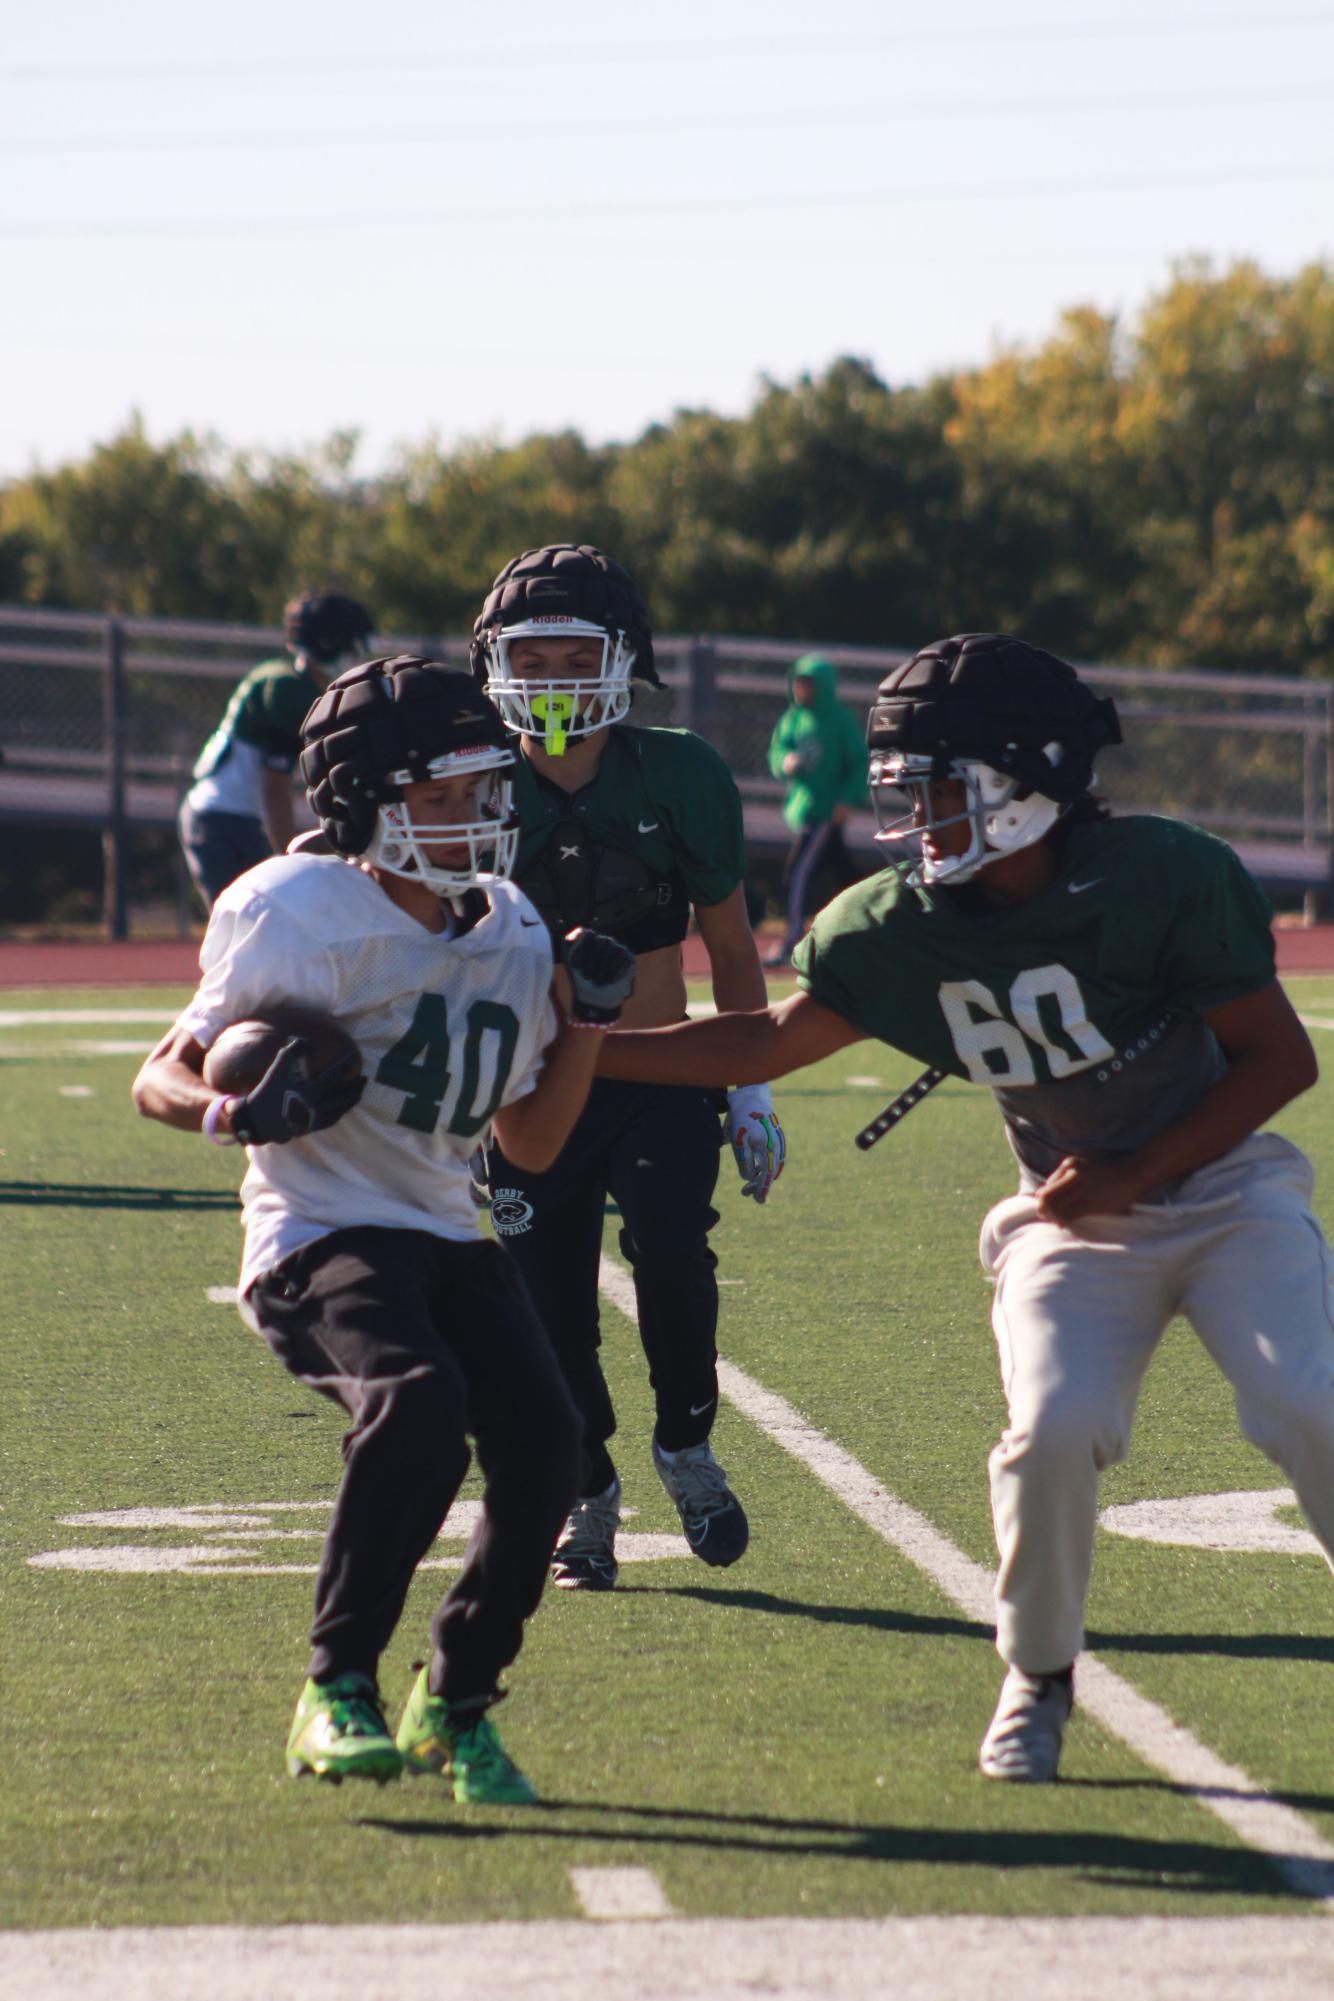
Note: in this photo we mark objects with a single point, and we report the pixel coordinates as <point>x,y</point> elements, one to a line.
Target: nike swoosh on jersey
<point>529,922</point>
<point>647,826</point>
<point>698,1409</point>
<point>1078,888</point>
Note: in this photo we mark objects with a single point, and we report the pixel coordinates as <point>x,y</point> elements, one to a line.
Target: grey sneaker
<point>585,1554</point>
<point>1023,1740</point>
<point>713,1519</point>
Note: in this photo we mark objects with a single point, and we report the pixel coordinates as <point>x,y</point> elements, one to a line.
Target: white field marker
<point>1315,1021</point>
<point>220,1295</point>
<point>1301,1855</point>
<point>75,1090</point>
<point>80,1017</point>
<point>619,1893</point>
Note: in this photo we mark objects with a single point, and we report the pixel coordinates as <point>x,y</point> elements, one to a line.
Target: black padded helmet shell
<point>386,716</point>
<point>326,625</point>
<point>994,698</point>
<point>573,580</point>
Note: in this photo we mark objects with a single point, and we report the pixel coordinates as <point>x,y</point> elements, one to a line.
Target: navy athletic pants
<point>820,847</point>
<point>220,846</point>
<point>654,1149</point>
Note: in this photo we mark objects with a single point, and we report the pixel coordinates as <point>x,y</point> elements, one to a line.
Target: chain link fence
<point>101,721</point>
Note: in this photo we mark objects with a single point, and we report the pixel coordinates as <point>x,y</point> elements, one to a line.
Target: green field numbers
<point>485,1019</point>
<point>418,1064</point>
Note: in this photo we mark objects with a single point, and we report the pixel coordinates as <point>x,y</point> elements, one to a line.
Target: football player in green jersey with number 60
<point>626,830</point>
<point>1112,980</point>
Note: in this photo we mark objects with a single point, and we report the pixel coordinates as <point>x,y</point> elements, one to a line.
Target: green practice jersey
<point>1081,1008</point>
<point>260,731</point>
<point>655,831</point>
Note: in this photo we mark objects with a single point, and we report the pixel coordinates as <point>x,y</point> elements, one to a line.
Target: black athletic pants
<point>654,1149</point>
<point>820,847</point>
<point>422,1340</point>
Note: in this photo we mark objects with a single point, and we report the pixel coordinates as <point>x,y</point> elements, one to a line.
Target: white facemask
<point>491,836</point>
<point>1000,822</point>
<point>556,711</point>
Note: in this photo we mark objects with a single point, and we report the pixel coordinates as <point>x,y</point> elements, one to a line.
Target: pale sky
<point>276,220</point>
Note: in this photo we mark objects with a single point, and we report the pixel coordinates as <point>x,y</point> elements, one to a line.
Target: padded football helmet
<point>326,626</point>
<point>387,724</point>
<point>564,591</point>
<point>1016,726</point>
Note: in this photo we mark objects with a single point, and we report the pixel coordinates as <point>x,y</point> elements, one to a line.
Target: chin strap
<point>1103,1073</point>
<point>899,1108</point>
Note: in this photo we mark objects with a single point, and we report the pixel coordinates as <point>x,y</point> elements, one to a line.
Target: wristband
<point>599,1027</point>
<point>210,1124</point>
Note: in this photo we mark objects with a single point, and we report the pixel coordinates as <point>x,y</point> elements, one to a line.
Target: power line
<point>898,111</point>
<point>707,205</point>
<point>749,47</point>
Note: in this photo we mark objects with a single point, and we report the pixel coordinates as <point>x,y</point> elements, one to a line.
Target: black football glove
<point>288,1103</point>
<point>602,976</point>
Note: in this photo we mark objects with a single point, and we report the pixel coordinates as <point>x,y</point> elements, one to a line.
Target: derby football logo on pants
<point>511,1212</point>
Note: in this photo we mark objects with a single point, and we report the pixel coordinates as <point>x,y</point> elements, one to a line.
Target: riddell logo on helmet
<point>554,618</point>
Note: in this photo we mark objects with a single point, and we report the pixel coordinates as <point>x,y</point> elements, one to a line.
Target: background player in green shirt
<point>239,809</point>
<point>626,831</point>
<point>818,750</point>
<point>1112,980</point>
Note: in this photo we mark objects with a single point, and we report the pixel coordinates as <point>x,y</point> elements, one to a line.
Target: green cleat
<point>465,1750</point>
<point>339,1732</point>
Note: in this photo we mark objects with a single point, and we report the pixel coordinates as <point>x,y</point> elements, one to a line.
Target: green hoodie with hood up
<point>829,742</point>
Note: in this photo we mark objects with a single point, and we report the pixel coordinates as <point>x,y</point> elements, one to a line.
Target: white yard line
<point>79,1017</point>
<point>66,1045</point>
<point>619,1893</point>
<point>1315,1021</point>
<point>702,1959</point>
<point>1301,1855</point>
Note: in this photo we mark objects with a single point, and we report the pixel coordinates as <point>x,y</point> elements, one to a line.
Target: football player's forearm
<point>738,979</point>
<point>534,1129</point>
<point>1255,1088</point>
<point>732,1049</point>
<point>174,1094</point>
<point>276,808</point>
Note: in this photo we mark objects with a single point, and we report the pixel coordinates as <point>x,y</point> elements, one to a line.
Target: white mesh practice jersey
<point>449,1028</point>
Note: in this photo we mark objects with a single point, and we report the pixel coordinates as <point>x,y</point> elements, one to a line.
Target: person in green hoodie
<point>817,749</point>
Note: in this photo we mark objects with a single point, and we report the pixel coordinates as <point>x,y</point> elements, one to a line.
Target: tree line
<point>1161,491</point>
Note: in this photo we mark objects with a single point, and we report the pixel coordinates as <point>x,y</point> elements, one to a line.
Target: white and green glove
<point>756,1138</point>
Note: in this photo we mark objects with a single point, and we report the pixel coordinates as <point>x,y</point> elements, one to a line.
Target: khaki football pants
<point>1077,1316</point>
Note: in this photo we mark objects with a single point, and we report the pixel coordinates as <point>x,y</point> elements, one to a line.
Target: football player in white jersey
<point>363,1267</point>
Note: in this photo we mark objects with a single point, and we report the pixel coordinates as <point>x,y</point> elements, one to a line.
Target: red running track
<point>96,962</point>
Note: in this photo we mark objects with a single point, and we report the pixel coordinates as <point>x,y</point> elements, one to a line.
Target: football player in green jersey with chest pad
<point>628,831</point>
<point>1112,980</point>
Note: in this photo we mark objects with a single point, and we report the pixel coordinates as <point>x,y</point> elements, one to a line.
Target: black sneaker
<point>713,1519</point>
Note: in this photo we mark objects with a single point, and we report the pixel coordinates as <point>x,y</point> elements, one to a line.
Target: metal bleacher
<point>101,719</point>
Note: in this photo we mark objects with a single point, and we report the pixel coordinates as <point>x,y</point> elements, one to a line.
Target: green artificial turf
<point>795,1735</point>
